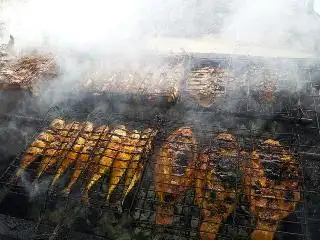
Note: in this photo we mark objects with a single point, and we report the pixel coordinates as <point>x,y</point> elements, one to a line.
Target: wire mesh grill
<point>291,118</point>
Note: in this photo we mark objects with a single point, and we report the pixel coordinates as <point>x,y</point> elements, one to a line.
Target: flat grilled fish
<point>215,188</point>
<point>174,171</point>
<point>271,200</point>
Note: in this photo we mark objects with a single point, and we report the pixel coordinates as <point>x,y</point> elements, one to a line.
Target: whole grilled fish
<point>38,146</point>
<point>54,150</point>
<point>135,167</point>
<point>71,155</point>
<point>106,154</point>
<point>269,200</point>
<point>174,171</point>
<point>83,159</point>
<point>122,160</point>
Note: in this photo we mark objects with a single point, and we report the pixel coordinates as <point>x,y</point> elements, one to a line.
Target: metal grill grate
<point>292,118</point>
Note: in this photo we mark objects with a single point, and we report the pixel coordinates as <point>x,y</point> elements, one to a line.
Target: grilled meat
<point>174,171</point>
<point>84,156</point>
<point>271,200</point>
<point>37,148</point>
<point>206,84</point>
<point>109,151</point>
<point>77,143</point>
<point>135,167</point>
<point>215,183</point>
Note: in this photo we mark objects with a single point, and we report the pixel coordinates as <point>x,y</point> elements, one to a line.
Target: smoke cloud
<point>99,27</point>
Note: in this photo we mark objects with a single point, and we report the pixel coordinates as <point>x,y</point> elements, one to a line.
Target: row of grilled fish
<point>212,171</point>
<point>92,151</point>
<point>180,166</point>
<point>206,84</point>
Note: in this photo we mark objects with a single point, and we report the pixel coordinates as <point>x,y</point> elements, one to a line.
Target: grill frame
<point>168,119</point>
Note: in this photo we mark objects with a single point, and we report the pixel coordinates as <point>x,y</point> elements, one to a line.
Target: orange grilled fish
<point>135,167</point>
<point>83,159</point>
<point>174,171</point>
<point>106,154</point>
<point>55,149</point>
<point>72,154</point>
<point>39,145</point>
<point>122,160</point>
<point>270,200</point>
<point>215,178</point>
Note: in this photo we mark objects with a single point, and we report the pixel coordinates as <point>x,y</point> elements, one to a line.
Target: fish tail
<point>73,180</point>
<point>262,235</point>
<point>19,172</point>
<point>134,179</point>
<point>56,178</point>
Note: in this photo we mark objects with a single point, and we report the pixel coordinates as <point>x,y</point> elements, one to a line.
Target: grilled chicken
<point>78,140</point>
<point>102,163</point>
<point>174,171</point>
<point>135,167</point>
<point>206,84</point>
<point>271,200</point>
<point>215,183</point>
<point>83,159</point>
<point>39,145</point>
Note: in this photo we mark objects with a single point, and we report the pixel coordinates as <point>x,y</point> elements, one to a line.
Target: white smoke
<point>121,26</point>
<point>93,26</point>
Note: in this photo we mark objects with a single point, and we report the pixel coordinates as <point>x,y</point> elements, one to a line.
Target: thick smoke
<point>100,27</point>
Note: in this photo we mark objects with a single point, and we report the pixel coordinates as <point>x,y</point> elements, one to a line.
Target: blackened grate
<point>292,118</point>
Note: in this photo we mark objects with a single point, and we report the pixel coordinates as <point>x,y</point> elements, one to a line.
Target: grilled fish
<point>135,167</point>
<point>83,159</point>
<point>174,171</point>
<point>123,158</point>
<point>206,84</point>
<point>71,155</point>
<point>215,188</point>
<point>38,146</point>
<point>102,163</point>
<point>269,199</point>
<point>55,149</point>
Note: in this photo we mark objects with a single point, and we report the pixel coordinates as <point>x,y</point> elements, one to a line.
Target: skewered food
<point>174,171</point>
<point>83,159</point>
<point>78,140</point>
<point>45,138</point>
<point>216,180</point>
<point>135,167</point>
<point>206,84</point>
<point>271,200</point>
<point>112,148</point>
